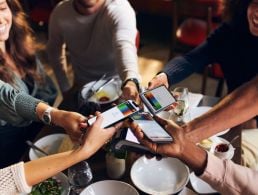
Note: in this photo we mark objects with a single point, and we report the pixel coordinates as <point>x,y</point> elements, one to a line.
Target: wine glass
<point>79,176</point>
<point>181,95</point>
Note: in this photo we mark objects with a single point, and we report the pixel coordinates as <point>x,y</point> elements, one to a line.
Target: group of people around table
<point>98,36</point>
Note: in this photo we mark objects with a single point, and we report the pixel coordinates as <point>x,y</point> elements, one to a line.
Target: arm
<point>56,51</point>
<point>230,178</point>
<point>223,175</point>
<point>123,25</point>
<point>210,51</point>
<point>235,108</point>
<point>38,170</point>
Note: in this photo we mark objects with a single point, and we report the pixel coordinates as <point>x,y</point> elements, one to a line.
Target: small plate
<point>49,143</point>
<point>111,91</point>
<point>218,140</point>
<point>109,187</point>
<point>166,176</point>
<point>200,186</point>
<point>198,111</point>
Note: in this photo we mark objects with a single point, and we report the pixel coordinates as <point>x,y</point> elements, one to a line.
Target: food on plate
<point>65,145</point>
<point>102,96</point>
<point>222,148</point>
<point>50,186</point>
<point>206,144</point>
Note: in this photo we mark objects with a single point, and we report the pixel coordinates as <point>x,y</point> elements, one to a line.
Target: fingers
<point>160,120</point>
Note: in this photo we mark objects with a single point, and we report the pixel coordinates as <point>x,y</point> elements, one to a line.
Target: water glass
<point>79,176</point>
<point>181,110</point>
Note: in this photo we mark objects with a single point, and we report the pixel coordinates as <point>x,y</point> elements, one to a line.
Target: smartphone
<point>157,99</point>
<point>151,128</point>
<point>117,113</point>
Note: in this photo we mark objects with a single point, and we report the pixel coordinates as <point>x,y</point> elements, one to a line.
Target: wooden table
<point>97,162</point>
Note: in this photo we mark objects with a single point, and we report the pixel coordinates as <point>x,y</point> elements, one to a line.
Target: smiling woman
<point>21,68</point>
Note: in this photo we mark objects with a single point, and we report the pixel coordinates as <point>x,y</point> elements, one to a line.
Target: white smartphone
<point>151,128</point>
<point>157,99</point>
<point>117,113</point>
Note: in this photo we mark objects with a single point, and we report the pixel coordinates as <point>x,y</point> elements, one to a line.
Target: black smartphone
<point>151,128</point>
<point>157,99</point>
<point>117,113</point>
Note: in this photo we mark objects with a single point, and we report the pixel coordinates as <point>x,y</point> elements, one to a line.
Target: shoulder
<point>120,6</point>
<point>63,7</point>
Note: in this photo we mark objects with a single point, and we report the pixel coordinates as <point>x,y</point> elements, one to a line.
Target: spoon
<point>33,146</point>
<point>233,140</point>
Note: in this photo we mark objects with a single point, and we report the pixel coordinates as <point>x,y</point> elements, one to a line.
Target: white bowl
<point>222,155</point>
<point>49,143</point>
<point>62,179</point>
<point>166,176</point>
<point>109,187</point>
<point>111,91</point>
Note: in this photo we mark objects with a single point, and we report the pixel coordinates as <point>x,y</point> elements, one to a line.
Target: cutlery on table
<point>92,91</point>
<point>33,146</point>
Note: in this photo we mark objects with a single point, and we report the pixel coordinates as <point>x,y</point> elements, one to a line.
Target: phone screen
<point>157,99</point>
<point>117,113</point>
<point>151,128</point>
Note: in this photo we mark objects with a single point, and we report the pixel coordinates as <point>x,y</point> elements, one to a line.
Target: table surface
<point>97,161</point>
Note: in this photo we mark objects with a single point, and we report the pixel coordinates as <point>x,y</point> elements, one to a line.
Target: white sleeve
<point>12,180</point>
<point>230,178</point>
<point>124,38</point>
<point>56,51</point>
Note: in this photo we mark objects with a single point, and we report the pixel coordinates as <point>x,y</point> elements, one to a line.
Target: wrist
<point>132,81</point>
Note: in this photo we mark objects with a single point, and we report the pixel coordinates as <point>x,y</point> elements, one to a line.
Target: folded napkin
<point>194,99</point>
<point>250,148</point>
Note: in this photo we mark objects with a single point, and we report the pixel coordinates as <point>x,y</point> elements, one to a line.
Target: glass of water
<point>181,113</point>
<point>79,176</point>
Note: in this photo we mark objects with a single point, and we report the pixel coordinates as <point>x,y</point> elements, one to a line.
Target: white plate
<point>218,140</point>
<point>167,176</point>
<point>200,186</point>
<point>49,143</point>
<point>111,90</point>
<point>109,187</point>
<point>198,111</point>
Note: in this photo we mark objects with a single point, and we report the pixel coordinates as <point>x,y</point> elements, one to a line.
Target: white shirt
<point>99,43</point>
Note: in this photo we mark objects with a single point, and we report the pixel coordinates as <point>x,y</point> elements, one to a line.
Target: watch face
<point>46,119</point>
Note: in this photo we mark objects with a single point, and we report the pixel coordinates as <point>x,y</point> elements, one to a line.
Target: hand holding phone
<point>117,113</point>
<point>151,128</point>
<point>157,99</point>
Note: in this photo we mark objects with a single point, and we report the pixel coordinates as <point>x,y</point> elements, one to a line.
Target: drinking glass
<point>79,176</point>
<point>181,113</point>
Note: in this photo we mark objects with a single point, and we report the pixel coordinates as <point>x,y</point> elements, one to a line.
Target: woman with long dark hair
<point>20,67</point>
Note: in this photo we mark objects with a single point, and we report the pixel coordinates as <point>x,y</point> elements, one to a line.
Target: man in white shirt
<point>100,36</point>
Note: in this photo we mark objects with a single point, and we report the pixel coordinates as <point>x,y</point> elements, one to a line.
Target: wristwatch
<point>46,117</point>
<point>133,80</point>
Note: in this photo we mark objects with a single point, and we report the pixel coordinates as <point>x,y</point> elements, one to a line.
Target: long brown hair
<point>20,46</point>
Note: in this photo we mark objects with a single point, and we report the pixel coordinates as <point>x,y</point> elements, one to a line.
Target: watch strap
<point>136,82</point>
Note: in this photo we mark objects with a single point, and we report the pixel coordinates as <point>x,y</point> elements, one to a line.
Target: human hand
<point>72,122</point>
<point>159,79</point>
<point>95,136</point>
<point>130,92</point>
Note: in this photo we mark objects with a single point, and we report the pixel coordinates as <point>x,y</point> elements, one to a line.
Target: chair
<point>197,18</point>
<point>39,11</point>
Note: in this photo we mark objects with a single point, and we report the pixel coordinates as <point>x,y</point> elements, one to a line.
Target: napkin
<point>194,99</point>
<point>250,148</point>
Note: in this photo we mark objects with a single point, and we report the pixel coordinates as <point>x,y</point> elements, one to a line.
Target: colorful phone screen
<point>158,98</point>
<point>116,114</point>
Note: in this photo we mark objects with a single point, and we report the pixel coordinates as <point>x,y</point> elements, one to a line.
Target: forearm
<point>43,168</point>
<point>237,107</point>
<point>230,178</point>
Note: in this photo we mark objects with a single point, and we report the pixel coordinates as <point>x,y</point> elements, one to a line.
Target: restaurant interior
<point>167,28</point>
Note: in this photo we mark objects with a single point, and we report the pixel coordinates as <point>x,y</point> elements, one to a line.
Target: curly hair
<point>234,9</point>
<point>20,46</point>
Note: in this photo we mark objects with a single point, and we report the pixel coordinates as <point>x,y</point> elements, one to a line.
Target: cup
<point>79,177</point>
<point>223,150</point>
<point>115,166</point>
